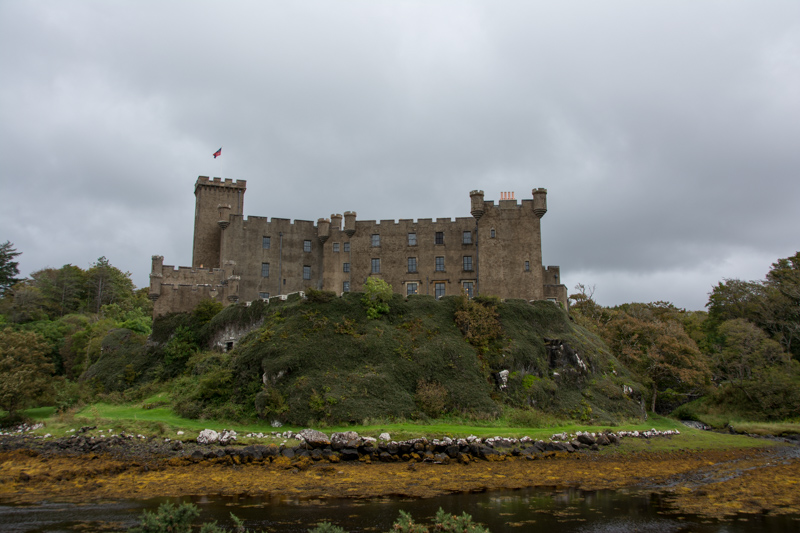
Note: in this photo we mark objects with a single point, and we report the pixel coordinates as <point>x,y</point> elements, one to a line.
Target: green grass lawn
<point>161,421</point>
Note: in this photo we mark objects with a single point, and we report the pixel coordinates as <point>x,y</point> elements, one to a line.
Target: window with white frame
<point>376,266</point>
<point>411,288</point>
<point>469,288</point>
<point>376,239</point>
<point>336,247</point>
<point>412,239</point>
<point>265,243</point>
<point>347,247</point>
<point>439,290</point>
<point>467,263</point>
<point>306,246</point>
<point>467,237</point>
<point>306,272</point>
<point>439,264</point>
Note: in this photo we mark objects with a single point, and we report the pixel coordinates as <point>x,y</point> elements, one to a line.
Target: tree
<point>377,295</point>
<point>25,372</point>
<point>746,351</point>
<point>8,267</point>
<point>782,312</point>
<point>63,290</point>
<point>107,284</point>
<point>654,344</point>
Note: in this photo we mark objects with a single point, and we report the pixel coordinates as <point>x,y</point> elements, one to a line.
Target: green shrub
<point>319,296</point>
<point>377,295</point>
<point>431,398</point>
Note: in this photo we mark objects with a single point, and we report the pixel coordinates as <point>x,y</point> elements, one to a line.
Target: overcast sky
<point>667,133</point>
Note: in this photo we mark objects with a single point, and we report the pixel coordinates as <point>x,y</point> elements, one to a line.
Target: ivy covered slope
<point>328,359</point>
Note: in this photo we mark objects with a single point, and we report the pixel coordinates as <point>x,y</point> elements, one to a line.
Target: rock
<point>340,440</point>
<point>603,440</point>
<point>384,437</point>
<point>208,436</point>
<point>349,454</point>
<point>583,438</point>
<point>177,445</point>
<point>314,438</point>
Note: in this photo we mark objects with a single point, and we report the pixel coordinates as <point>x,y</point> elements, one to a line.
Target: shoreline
<point>713,483</point>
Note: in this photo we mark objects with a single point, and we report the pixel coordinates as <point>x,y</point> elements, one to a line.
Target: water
<point>568,510</point>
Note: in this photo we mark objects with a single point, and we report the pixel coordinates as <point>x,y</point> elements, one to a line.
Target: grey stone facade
<point>496,251</point>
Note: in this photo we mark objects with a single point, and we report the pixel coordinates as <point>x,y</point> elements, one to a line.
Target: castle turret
<point>336,222</point>
<point>224,216</point>
<point>539,202</point>
<point>476,201</point>
<point>214,199</point>
<point>349,223</point>
<point>323,229</point>
<point>156,277</point>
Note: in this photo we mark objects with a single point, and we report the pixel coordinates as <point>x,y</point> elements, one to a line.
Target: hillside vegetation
<point>323,360</point>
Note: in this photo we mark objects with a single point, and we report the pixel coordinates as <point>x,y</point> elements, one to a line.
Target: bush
<point>377,295</point>
<point>431,398</point>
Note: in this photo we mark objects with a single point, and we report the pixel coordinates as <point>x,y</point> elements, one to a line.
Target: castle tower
<point>539,202</point>
<point>214,199</point>
<point>349,223</point>
<point>323,229</point>
<point>476,202</point>
<point>336,222</point>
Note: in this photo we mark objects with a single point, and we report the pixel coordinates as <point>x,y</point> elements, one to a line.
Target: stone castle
<point>496,251</point>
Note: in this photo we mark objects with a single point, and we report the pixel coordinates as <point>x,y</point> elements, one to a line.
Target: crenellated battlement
<point>205,181</point>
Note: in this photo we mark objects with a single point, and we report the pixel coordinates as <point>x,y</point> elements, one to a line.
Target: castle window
<point>492,233</point>
<point>467,237</point>
<point>345,286</point>
<point>527,266</point>
<point>345,267</point>
<point>412,264</point>
<point>411,288</point>
<point>263,295</point>
<point>439,264</point>
<point>468,262</point>
<point>412,239</point>
<point>347,247</point>
<point>376,239</point>
<point>306,246</point>
<point>306,272</point>
<point>265,243</point>
<point>469,287</point>
<point>439,290</point>
<point>439,237</point>
<point>376,266</point>
<point>336,247</point>
<point>264,270</point>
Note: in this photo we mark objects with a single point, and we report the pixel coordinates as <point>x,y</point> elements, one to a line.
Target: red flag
<point>218,152</point>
